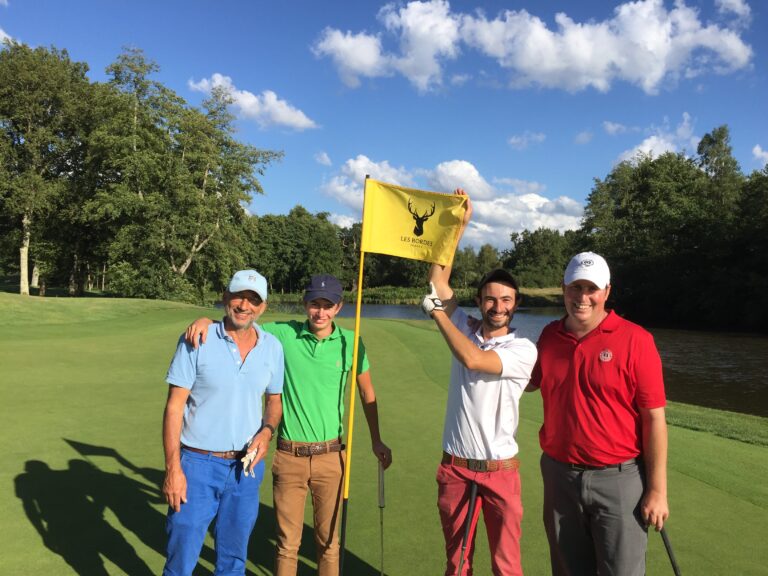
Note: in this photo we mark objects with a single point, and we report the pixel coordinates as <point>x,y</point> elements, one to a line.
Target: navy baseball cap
<point>323,286</point>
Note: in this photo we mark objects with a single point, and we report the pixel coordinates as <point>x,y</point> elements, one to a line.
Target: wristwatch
<point>271,429</point>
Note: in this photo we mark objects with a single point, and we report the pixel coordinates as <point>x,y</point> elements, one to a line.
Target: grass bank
<point>82,397</point>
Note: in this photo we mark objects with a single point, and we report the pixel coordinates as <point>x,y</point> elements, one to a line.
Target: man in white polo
<point>490,370</point>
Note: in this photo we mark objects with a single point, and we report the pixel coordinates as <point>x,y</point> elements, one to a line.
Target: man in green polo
<point>310,455</point>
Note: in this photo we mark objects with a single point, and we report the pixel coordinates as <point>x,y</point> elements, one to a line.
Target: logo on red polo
<point>606,355</point>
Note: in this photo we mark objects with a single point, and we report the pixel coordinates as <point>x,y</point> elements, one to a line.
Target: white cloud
<point>266,109</point>
<point>342,221</point>
<point>460,79</point>
<point>614,128</point>
<point>509,205</point>
<point>4,35</point>
<point>428,33</point>
<point>643,43</point>
<point>584,137</point>
<point>665,139</point>
<point>760,154</point>
<point>323,159</point>
<point>4,3</point>
<point>347,186</point>
<point>448,176</point>
<point>738,7</point>
<point>493,221</point>
<point>522,141</point>
<point>355,55</point>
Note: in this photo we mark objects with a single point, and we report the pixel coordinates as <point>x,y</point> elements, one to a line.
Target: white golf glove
<point>246,460</point>
<point>432,302</point>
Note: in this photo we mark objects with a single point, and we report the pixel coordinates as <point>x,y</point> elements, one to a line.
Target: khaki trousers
<point>292,476</point>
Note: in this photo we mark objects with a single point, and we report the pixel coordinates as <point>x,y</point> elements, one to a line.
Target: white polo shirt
<point>483,409</point>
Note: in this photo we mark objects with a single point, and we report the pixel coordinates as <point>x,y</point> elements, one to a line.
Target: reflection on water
<point>726,371</point>
<point>717,370</point>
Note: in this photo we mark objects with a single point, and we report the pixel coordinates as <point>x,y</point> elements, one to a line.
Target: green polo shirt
<point>316,374</point>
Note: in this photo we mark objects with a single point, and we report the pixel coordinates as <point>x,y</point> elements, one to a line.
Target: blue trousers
<point>216,488</point>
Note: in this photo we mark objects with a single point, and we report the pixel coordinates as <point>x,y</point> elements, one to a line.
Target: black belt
<point>588,467</point>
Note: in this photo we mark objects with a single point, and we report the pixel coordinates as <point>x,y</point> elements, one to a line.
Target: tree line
<point>686,237</point>
<point>124,188</point>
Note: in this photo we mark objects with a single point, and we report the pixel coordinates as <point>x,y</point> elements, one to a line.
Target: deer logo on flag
<point>418,230</point>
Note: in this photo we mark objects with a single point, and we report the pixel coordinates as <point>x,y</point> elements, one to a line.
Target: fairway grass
<point>82,384</point>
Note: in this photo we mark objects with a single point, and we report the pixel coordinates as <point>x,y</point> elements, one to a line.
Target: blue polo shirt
<point>223,410</point>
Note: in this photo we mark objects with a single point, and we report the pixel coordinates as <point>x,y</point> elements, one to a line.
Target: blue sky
<point>521,103</point>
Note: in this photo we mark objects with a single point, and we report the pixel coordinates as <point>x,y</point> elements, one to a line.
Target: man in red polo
<point>604,435</point>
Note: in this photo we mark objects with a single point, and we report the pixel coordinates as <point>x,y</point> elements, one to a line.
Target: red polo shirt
<point>593,389</point>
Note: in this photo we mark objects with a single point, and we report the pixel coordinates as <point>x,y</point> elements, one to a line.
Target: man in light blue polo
<point>214,434</point>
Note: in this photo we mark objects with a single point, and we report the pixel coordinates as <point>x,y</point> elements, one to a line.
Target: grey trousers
<point>592,519</point>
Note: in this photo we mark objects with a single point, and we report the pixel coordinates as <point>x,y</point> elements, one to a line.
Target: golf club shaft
<point>670,553</point>
<point>381,512</point>
<point>381,485</point>
<point>468,525</point>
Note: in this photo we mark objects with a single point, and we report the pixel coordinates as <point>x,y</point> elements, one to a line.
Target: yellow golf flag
<point>411,223</point>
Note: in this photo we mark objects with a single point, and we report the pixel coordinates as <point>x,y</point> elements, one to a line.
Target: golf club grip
<point>670,553</point>
<point>381,485</point>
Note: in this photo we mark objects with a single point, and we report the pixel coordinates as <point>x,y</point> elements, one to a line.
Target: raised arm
<point>371,410</point>
<point>464,350</point>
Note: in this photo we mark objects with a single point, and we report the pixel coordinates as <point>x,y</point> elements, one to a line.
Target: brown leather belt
<point>481,465</point>
<point>309,448</point>
<point>228,455</point>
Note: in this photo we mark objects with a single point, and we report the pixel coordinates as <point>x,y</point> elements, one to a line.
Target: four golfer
<point>604,436</point>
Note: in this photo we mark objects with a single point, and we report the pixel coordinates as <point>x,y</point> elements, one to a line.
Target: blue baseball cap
<point>249,280</point>
<point>323,286</point>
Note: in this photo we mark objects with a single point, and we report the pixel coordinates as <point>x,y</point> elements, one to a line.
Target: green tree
<point>291,248</point>
<point>746,275</point>
<point>487,259</point>
<point>350,248</point>
<point>41,95</point>
<point>538,258</point>
<point>183,183</point>
<point>465,272</point>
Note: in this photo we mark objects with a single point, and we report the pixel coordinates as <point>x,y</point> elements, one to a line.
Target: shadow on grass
<point>67,508</point>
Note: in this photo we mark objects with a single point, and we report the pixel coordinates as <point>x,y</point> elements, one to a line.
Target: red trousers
<point>498,496</point>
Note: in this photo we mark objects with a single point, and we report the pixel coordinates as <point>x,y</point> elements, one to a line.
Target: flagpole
<point>351,417</point>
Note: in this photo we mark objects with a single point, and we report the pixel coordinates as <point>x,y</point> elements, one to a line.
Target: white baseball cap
<point>249,280</point>
<point>588,266</point>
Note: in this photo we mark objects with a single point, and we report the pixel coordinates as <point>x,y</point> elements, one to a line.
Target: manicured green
<point>91,371</point>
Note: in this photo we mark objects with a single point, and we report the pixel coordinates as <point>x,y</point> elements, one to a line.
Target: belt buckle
<point>477,465</point>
